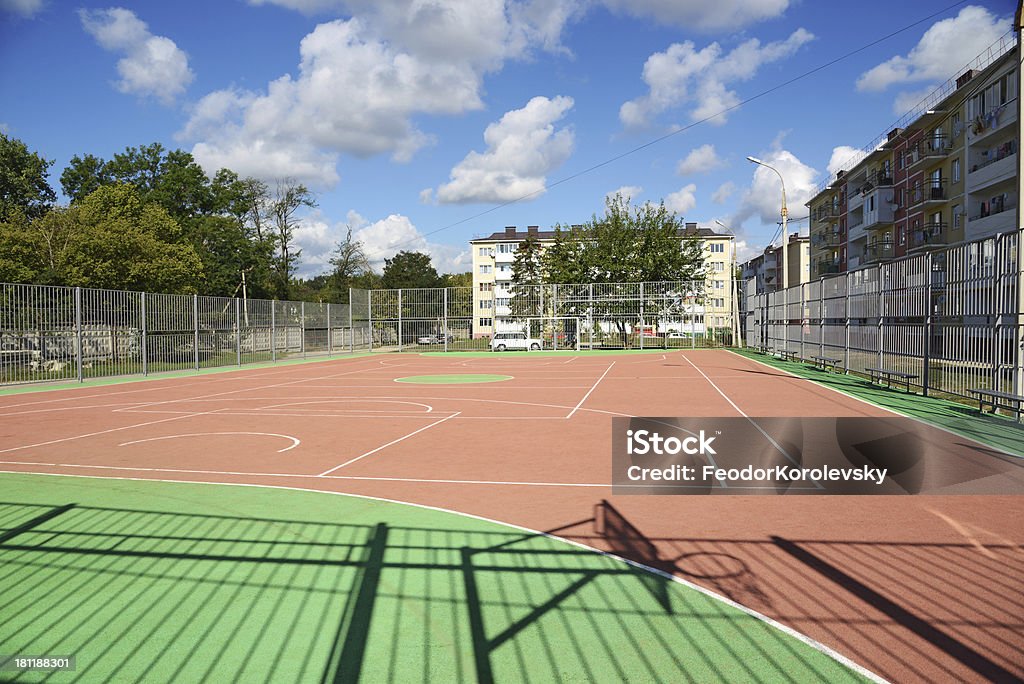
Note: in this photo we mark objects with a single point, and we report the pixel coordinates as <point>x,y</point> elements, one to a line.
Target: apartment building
<point>948,176</point>
<point>494,254</point>
<point>766,268</point>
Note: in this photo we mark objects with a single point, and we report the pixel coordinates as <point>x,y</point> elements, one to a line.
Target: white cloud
<point>724,192</point>
<point>700,14</point>
<point>700,160</point>
<point>683,200</point>
<point>522,148</point>
<point>683,75</point>
<point>945,48</point>
<point>843,157</point>
<point>906,100</point>
<point>152,66</point>
<point>23,8</point>
<point>629,192</point>
<point>361,81</point>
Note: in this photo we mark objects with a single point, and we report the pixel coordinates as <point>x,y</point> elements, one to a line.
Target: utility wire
<point>670,134</point>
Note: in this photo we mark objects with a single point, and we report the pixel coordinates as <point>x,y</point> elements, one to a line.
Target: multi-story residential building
<point>766,268</point>
<point>492,275</point>
<point>948,176</point>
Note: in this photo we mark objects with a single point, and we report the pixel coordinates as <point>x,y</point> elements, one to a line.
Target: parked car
<point>434,339</point>
<point>514,340</point>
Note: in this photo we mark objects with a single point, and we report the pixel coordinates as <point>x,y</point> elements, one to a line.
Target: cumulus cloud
<point>724,192</point>
<point>700,160</point>
<point>152,66</point>
<point>395,233</point>
<point>22,8</point>
<point>361,81</point>
<point>522,148</point>
<point>843,157</point>
<point>683,200</point>
<point>700,79</point>
<point>944,49</point>
<point>629,192</point>
<point>700,14</point>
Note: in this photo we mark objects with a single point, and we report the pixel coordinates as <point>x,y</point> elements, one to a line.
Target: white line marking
<point>336,401</point>
<point>577,407</point>
<point>803,638</point>
<point>749,419</point>
<point>384,446</point>
<point>295,440</point>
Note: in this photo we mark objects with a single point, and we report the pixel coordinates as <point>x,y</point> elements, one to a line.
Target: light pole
<point>737,336</point>
<point>785,216</point>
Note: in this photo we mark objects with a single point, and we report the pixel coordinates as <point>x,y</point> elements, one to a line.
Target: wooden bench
<point>880,374</point>
<point>788,355</point>
<point>826,363</point>
<point>1003,400</point>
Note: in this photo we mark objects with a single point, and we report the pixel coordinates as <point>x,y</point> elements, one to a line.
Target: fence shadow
<point>139,594</point>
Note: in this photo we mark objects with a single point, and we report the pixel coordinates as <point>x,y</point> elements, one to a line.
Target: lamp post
<point>785,216</point>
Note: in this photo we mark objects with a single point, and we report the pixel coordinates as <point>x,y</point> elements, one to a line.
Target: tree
<point>458,279</point>
<point>409,270</point>
<point>527,277</point>
<point>24,186</point>
<point>349,261</point>
<point>83,176</point>
<point>289,198</point>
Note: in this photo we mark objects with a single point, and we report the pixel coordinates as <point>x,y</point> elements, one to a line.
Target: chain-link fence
<point>951,317</point>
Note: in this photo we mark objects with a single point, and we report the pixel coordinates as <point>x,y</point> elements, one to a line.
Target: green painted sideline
<point>159,581</point>
<point>453,379</point>
<point>163,375</point>
<point>995,431</point>
<point>563,353</point>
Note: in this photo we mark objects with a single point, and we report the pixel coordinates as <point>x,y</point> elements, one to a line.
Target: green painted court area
<point>453,379</point>
<point>157,581</point>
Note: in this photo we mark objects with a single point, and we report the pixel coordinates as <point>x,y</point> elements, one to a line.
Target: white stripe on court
<point>295,440</point>
<point>577,407</point>
<point>384,446</point>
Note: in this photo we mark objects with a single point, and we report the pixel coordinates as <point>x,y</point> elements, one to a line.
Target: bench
<point>880,374</point>
<point>788,355</point>
<point>1003,400</point>
<point>826,363</point>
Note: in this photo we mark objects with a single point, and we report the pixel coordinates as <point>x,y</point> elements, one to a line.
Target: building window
<point>507,248</point>
<point>485,269</point>
<point>486,322</point>
<point>956,170</point>
<point>503,301</point>
<point>486,287</point>
<point>956,215</point>
<point>719,284</point>
<point>717,266</point>
<point>717,247</point>
<point>902,232</point>
<point>486,303</point>
<point>484,251</point>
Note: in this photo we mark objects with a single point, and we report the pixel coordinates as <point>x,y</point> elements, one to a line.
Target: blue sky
<point>412,118</point>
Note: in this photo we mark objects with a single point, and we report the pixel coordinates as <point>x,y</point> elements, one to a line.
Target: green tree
<point>527,277</point>
<point>289,198</point>
<point>349,261</point>
<point>82,176</point>
<point>458,279</point>
<point>24,186</point>
<point>410,269</point>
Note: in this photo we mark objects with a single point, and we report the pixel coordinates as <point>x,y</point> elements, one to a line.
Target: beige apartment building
<point>494,254</point>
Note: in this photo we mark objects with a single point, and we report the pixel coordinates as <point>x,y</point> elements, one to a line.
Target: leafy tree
<point>349,261</point>
<point>458,279</point>
<point>24,186</point>
<point>410,269</point>
<point>289,198</point>
<point>527,275</point>
<point>83,176</point>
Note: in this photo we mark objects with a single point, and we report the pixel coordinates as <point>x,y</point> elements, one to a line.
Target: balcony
<point>825,239</point>
<point>880,179</point>
<point>927,150</point>
<point>1000,164</point>
<point>826,266</point>
<point>882,250</point>
<point>928,235</point>
<point>827,213</point>
<point>989,223</point>
<point>929,192</point>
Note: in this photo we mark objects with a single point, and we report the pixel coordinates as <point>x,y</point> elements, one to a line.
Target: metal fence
<point>953,317</point>
<point>64,333</point>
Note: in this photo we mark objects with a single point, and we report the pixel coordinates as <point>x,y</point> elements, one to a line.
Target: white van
<point>514,340</point>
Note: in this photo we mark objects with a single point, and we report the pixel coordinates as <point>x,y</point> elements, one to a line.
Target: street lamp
<point>785,216</point>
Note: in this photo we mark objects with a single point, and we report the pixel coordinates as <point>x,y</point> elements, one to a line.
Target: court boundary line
<point>594,387</point>
<point>785,629</point>
<point>295,440</point>
<point>385,446</point>
<point>879,406</point>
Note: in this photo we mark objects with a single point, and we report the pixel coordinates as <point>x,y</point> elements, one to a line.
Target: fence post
<point>369,318</point>
<point>78,332</point>
<point>273,330</point>
<point>803,310</point>
<point>351,330</point>
<point>643,323</point>
<point>302,328</point>
<point>238,333</point>
<point>846,315</point>
<point>928,323</point>
<point>329,341</point>
<point>444,317</point>
<point>399,320</point>
<point>195,337</point>
<point>821,316</point>
<point>145,332</point>
<point>881,317</point>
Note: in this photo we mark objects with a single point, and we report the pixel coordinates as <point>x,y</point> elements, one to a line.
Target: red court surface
<point>914,588</point>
